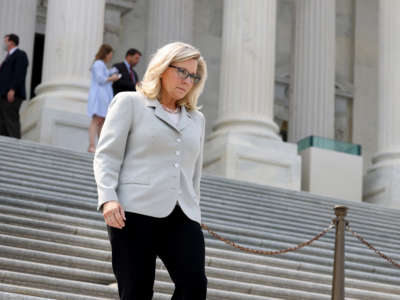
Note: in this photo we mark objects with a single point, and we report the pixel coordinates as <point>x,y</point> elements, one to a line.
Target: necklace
<point>172,111</point>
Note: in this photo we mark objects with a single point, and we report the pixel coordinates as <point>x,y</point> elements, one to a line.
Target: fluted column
<point>312,105</point>
<point>74,32</point>
<point>247,69</point>
<point>169,21</point>
<point>58,114</point>
<point>383,177</point>
<point>19,17</point>
<point>244,144</point>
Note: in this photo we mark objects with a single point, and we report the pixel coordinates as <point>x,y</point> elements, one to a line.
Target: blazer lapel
<point>184,119</point>
<point>160,113</point>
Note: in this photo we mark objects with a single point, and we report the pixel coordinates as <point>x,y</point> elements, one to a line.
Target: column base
<point>253,159</point>
<point>56,120</point>
<point>381,185</point>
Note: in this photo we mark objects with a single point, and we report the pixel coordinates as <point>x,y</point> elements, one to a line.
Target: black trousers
<point>177,240</point>
<point>9,117</point>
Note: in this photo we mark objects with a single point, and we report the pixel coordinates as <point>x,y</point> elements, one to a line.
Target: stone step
<point>246,241</point>
<point>366,273</point>
<point>61,260</point>
<point>72,201</point>
<point>64,219</point>
<point>89,158</point>
<point>12,296</point>
<point>89,289</point>
<point>9,143</point>
<point>43,174</point>
<point>40,212</point>
<point>60,272</point>
<point>354,261</point>
<point>244,220</point>
<point>213,272</point>
<point>100,224</point>
<point>53,247</point>
<point>20,293</point>
<point>236,232</point>
<point>216,267</point>
<point>269,204</point>
<point>52,186</point>
<point>50,232</point>
<point>89,238</point>
<point>203,193</point>
<point>205,204</point>
<point>231,186</point>
<point>55,166</point>
<point>52,162</point>
<point>43,153</point>
<point>59,285</point>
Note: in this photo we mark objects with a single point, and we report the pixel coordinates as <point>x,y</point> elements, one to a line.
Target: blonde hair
<point>150,86</point>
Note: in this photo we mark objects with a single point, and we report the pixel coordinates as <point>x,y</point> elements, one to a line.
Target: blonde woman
<point>148,167</point>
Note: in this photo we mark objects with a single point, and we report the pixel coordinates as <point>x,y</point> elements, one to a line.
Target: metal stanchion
<point>338,266</point>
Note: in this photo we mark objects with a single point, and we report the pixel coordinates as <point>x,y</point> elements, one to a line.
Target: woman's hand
<point>113,77</point>
<point>114,214</point>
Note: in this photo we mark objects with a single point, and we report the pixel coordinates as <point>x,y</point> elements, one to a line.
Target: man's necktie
<point>132,77</point>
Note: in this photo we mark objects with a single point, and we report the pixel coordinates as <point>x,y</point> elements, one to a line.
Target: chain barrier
<point>256,251</point>
<point>362,240</point>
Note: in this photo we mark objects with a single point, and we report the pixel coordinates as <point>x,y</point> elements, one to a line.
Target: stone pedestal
<point>331,171</point>
<point>19,17</point>
<point>312,106</point>
<point>382,178</point>
<point>253,159</point>
<point>58,115</point>
<point>245,144</point>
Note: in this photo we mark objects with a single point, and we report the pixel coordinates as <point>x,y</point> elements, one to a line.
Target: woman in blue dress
<point>100,93</point>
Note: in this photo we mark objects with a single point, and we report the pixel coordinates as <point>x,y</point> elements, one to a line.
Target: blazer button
<point>177,153</point>
<point>176,165</point>
<point>178,140</point>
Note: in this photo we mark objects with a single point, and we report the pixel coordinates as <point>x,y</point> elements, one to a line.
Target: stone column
<point>169,21</point>
<point>312,106</point>
<point>245,143</point>
<point>381,183</point>
<point>112,25</point>
<point>74,33</point>
<point>19,17</point>
<point>248,69</point>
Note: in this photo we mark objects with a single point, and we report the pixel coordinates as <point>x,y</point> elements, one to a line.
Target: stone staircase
<point>53,242</point>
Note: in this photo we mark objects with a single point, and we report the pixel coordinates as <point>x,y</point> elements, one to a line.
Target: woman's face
<point>108,57</point>
<point>173,85</point>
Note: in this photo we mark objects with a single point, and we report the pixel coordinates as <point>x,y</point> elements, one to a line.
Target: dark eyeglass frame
<point>184,74</point>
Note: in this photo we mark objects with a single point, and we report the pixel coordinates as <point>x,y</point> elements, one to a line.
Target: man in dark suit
<point>129,77</point>
<point>12,86</point>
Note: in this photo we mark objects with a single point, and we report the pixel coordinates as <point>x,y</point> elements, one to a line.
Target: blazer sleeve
<point>98,73</point>
<point>199,162</point>
<point>110,150</point>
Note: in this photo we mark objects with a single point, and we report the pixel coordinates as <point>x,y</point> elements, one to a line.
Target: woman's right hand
<point>113,77</point>
<point>114,214</point>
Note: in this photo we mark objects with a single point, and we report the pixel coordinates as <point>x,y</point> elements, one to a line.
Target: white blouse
<point>174,117</point>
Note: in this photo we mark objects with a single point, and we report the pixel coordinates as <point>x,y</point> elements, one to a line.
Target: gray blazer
<point>146,162</point>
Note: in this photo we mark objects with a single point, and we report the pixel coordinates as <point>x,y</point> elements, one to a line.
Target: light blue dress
<point>100,92</point>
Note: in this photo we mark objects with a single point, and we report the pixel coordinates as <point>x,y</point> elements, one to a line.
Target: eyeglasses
<point>184,74</point>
